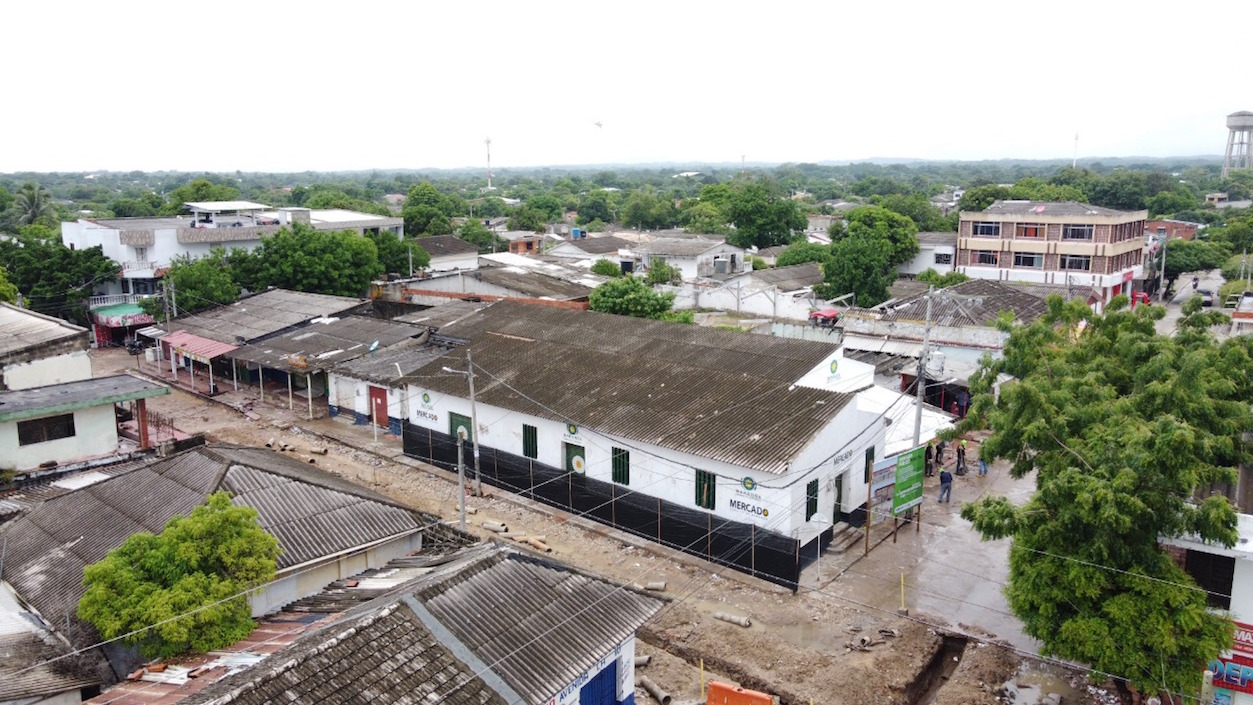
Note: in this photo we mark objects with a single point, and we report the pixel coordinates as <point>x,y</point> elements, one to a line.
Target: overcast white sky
<point>327,85</point>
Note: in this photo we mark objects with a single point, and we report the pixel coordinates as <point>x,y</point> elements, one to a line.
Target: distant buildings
<point>936,251</point>
<point>1066,244</point>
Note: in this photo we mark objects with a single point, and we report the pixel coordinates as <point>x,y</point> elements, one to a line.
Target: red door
<point>378,405</point>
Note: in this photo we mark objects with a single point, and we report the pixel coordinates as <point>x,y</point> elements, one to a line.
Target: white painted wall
<point>839,374</point>
<point>670,475</point>
<point>925,259</point>
<point>741,297</point>
<point>95,433</point>
<point>448,263</point>
<point>353,395</point>
<point>463,283</point>
<point>70,367</point>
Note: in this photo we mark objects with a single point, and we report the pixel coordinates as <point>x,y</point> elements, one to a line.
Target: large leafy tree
<point>895,232</point>
<point>399,255</point>
<point>859,265</point>
<point>1183,256</point>
<point>475,233</point>
<point>301,258</point>
<point>199,283</point>
<point>630,296</point>
<point>55,279</point>
<point>1123,429</point>
<point>646,208</point>
<point>803,252</point>
<point>198,190</point>
<point>183,589</point>
<point>33,205</point>
<point>762,216</point>
<point>8,292</point>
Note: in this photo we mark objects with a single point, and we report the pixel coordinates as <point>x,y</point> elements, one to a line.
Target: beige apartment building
<point>1060,244</point>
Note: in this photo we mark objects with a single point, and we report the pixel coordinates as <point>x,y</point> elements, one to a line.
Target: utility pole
<point>461,479</point>
<point>165,301</point>
<point>173,297</point>
<point>1161,274</point>
<point>922,391</point>
<point>474,421</point>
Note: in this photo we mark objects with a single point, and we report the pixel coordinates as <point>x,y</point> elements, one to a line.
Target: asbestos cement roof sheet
<point>531,283</point>
<point>440,315</point>
<point>678,247</point>
<point>22,331</point>
<point>977,302</point>
<point>19,404</point>
<point>603,245</point>
<point>262,315</point>
<point>312,513</point>
<point>791,278</point>
<point>715,394</point>
<point>326,342</point>
<point>446,246</point>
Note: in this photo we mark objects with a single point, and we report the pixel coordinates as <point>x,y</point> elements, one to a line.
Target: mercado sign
<point>908,492</point>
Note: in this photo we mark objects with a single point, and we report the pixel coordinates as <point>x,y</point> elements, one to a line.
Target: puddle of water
<point>1035,681</point>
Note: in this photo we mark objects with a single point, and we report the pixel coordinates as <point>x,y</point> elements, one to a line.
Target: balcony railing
<point>112,299</point>
<point>138,264</point>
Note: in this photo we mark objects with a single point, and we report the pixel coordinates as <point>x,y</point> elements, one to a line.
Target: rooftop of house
<point>325,342</point>
<point>23,331</point>
<point>977,302</point>
<point>418,630</point>
<point>1050,208</point>
<point>715,394</point>
<point>26,670</point>
<point>263,314</point>
<point>19,404</point>
<point>934,238</point>
<point>447,246</point>
<point>602,245</point>
<point>390,364</point>
<point>441,315</point>
<point>792,277</point>
<point>313,514</point>
<point>678,247</point>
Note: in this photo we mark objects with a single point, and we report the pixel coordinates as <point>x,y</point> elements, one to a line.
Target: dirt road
<point>798,646</point>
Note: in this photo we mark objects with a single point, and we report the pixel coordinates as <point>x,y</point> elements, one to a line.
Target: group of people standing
<point>935,460</point>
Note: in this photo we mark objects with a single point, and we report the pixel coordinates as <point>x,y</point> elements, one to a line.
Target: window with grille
<point>811,500</point>
<point>50,428</point>
<point>1076,232</point>
<point>1215,574</point>
<point>706,484</point>
<point>986,229</point>
<point>943,258</point>
<point>987,257</point>
<point>530,441</point>
<point>622,466</point>
<point>1028,259</point>
<point>1081,263</point>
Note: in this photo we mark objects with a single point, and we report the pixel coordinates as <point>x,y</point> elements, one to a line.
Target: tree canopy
<point>1125,430</point>
<point>896,232</point>
<point>199,284</point>
<point>762,216</point>
<point>398,255</point>
<point>1184,256</point>
<point>859,265</point>
<point>475,233</point>
<point>303,259</point>
<point>942,281</point>
<point>184,588</point>
<point>33,205</point>
<point>8,292</point>
<point>630,296</point>
<point>54,279</point>
<point>606,268</point>
<point>803,252</point>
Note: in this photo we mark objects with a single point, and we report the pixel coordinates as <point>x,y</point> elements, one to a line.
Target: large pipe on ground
<point>495,526</point>
<point>733,619</point>
<point>658,694</point>
<point>659,586</point>
<point>641,661</point>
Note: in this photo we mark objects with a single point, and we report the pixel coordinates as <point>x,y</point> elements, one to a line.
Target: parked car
<point>1207,297</point>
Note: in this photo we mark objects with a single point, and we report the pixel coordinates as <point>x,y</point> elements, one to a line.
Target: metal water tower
<point>1239,135</point>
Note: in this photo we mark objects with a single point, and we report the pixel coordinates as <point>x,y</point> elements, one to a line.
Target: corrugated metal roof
<point>382,367</point>
<point>197,347</point>
<point>791,278</point>
<point>319,346</point>
<point>977,302</point>
<point>442,314</point>
<point>602,245</point>
<point>22,330</point>
<point>446,246</point>
<point>716,394</point>
<point>311,512</point>
<point>532,283</point>
<point>264,314</point>
<point>678,247</point>
<point>18,404</point>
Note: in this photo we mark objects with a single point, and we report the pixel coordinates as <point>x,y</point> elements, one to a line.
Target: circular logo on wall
<point>577,463</point>
<point>835,365</point>
<point>426,397</point>
<point>572,429</point>
<point>749,484</point>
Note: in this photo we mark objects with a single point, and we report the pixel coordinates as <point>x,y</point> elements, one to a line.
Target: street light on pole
<point>468,372</point>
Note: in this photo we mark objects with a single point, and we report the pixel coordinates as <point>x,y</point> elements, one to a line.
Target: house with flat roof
<point>659,429</point>
<point>1062,244</point>
<point>694,257</point>
<point>36,350</point>
<point>936,251</point>
<point>449,253</point>
<point>145,247</point>
<point>593,247</point>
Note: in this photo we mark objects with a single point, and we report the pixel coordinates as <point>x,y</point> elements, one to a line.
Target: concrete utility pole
<point>1161,274</point>
<point>461,479</point>
<point>474,420</point>
<point>922,371</point>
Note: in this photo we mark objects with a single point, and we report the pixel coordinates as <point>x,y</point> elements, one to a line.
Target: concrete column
<point>141,415</point>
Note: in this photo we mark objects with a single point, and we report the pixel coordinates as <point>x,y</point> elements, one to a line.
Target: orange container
<point>723,694</point>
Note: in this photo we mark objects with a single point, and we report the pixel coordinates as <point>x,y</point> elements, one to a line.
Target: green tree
<point>917,207</point>
<point>526,218</point>
<point>980,197</point>
<point>1237,234</point>
<point>942,281</point>
<point>703,217</point>
<point>196,191</point>
<point>425,194</point>
<point>422,220</point>
<point>661,273</point>
<point>1122,190</point>
<point>397,255</point>
<point>132,208</point>
<point>1126,430</point>
<point>646,208</point>
<point>606,268</point>
<point>596,205</point>
<point>475,233</point>
<point>199,284</point>
<point>1034,189</point>
<point>6,199</point>
<point>897,232</point>
<point>8,292</point>
<point>630,296</point>
<point>1170,202</point>
<point>802,252</point>
<point>858,265</point>
<point>298,257</point>
<point>548,204</point>
<point>33,205</point>
<point>326,199</point>
<point>54,279</point>
<point>1184,256</point>
<point>183,589</point>
<point>762,216</point>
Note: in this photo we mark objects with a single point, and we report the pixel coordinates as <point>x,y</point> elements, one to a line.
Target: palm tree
<point>33,204</point>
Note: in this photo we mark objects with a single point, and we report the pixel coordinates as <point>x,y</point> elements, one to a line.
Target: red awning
<point>195,347</point>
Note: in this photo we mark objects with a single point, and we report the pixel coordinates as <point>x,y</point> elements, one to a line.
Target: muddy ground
<point>797,648</point>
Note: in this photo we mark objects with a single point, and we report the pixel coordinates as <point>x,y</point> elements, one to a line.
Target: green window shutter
<point>621,466</point>
<point>530,441</point>
<point>706,483</point>
<point>458,425</point>
<point>811,500</point>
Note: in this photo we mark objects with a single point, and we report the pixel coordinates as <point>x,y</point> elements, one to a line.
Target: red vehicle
<point>825,317</point>
<point>1138,297</point>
